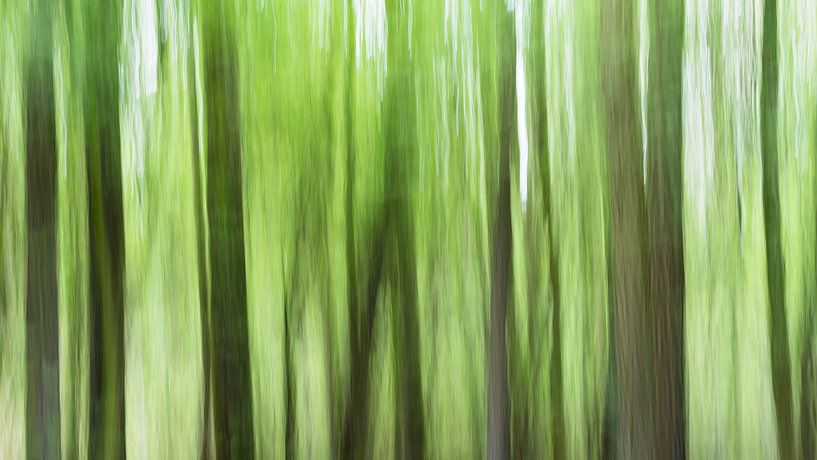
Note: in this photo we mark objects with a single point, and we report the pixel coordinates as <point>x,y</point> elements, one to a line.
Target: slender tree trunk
<point>201,261</point>
<point>629,262</point>
<point>808,403</point>
<point>400,167</point>
<point>498,400</point>
<point>779,335</point>
<point>362,310</point>
<point>42,315</point>
<point>359,322</point>
<point>289,436</point>
<point>362,332</point>
<point>540,94</point>
<point>362,316</point>
<point>232,397</point>
<point>665,223</point>
<point>808,379</point>
<point>105,223</point>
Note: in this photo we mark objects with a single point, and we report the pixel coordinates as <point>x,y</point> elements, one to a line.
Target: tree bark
<point>629,261</point>
<point>201,262</point>
<point>105,223</point>
<point>540,104</point>
<point>808,402</point>
<point>498,399</point>
<point>665,224</point>
<point>42,313</point>
<point>778,332</point>
<point>399,174</point>
<point>232,397</point>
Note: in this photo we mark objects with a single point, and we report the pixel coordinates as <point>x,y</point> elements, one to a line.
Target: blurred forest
<point>408,229</point>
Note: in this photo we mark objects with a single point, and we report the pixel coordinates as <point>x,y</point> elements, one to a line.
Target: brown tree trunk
<point>629,262</point>
<point>665,224</point>
<point>501,266</point>
<point>42,313</point>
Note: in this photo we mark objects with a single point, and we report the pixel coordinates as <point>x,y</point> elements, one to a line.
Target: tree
<point>232,398</point>
<point>778,332</point>
<point>498,400</point>
<point>201,260</point>
<point>399,173</point>
<point>665,221</point>
<point>105,223</point>
<point>629,263</point>
<point>362,306</point>
<point>42,316</point>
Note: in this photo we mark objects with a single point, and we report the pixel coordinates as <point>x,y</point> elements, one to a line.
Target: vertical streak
<point>629,263</point>
<point>779,337</point>
<point>42,314</point>
<point>498,399</point>
<point>105,223</point>
<point>665,186</point>
<point>399,174</point>
<point>201,251</point>
<point>232,397</point>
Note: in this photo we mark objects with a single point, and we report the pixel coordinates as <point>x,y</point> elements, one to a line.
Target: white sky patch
<point>149,46</point>
<point>371,34</point>
<point>698,121</point>
<point>643,59</point>
<point>144,35</point>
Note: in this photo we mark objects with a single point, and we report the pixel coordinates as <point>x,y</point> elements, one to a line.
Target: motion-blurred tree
<point>232,396</point>
<point>664,143</point>
<point>42,314</point>
<point>107,415</point>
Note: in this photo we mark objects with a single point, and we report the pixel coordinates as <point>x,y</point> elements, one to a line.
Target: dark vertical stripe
<point>232,398</point>
<point>501,266</point>
<point>665,221</point>
<point>779,336</point>
<point>629,263</point>
<point>42,313</point>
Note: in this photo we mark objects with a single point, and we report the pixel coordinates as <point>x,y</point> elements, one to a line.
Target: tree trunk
<point>42,315</point>
<point>629,262</point>
<point>665,223</point>
<point>779,336</point>
<point>105,223</point>
<point>501,267</point>
<point>808,379</point>
<point>232,397</point>
<point>201,262</point>
<point>540,104</point>
<point>399,173</point>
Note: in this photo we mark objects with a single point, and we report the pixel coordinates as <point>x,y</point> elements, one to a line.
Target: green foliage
<point>368,134</point>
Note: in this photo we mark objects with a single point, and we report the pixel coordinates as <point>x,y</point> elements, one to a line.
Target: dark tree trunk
<point>629,262</point>
<point>400,168</point>
<point>232,397</point>
<point>362,310</point>
<point>201,264</point>
<point>105,223</point>
<point>360,322</point>
<point>808,379</point>
<point>665,223</point>
<point>779,335</point>
<point>42,314</point>
<point>501,269</point>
